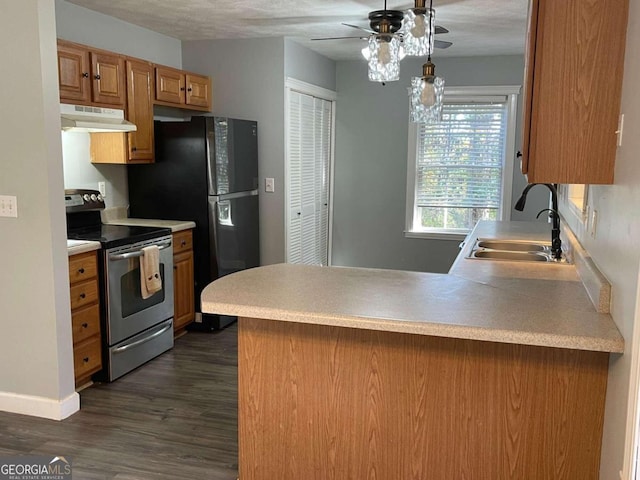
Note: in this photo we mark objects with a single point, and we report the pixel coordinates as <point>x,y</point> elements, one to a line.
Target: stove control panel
<point>79,200</point>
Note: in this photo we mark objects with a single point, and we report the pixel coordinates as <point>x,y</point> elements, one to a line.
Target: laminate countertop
<point>174,225</point>
<point>497,301</point>
<point>75,247</point>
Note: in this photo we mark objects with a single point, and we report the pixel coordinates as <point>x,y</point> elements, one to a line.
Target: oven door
<point>127,312</point>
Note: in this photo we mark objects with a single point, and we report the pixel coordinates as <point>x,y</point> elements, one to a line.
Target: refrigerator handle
<point>232,196</point>
<point>211,161</point>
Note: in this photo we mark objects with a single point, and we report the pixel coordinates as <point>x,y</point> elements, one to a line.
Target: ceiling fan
<point>390,22</point>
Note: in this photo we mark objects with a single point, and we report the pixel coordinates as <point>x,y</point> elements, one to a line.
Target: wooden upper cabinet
<point>182,89</point>
<point>73,73</point>
<point>140,110</point>
<point>108,78</point>
<point>170,85</point>
<point>573,85</point>
<point>90,77</point>
<point>198,90</point>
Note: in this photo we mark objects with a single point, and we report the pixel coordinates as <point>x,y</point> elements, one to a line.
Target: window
<point>460,169</point>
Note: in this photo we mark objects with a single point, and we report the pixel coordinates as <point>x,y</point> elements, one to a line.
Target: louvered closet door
<point>309,153</point>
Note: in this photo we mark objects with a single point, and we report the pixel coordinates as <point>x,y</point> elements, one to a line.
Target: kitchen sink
<point>512,246</point>
<point>517,256</point>
<point>512,250</point>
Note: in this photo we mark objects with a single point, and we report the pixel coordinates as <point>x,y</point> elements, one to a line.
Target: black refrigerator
<point>206,171</point>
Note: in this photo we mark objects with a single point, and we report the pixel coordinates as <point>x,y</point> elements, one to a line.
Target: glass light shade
<point>418,31</point>
<point>384,53</point>
<point>426,99</point>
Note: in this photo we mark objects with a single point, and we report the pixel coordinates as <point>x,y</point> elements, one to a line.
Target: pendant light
<point>384,52</point>
<point>417,28</point>
<point>427,91</point>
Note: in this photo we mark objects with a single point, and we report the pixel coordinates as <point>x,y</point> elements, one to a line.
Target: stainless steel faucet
<point>556,243</point>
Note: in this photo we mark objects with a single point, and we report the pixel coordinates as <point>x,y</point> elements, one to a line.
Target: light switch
<point>8,206</point>
<point>269,185</point>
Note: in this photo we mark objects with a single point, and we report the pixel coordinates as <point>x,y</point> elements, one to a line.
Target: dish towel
<point>150,279</point>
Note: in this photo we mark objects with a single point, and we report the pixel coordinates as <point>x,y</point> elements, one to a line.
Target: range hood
<point>94,119</point>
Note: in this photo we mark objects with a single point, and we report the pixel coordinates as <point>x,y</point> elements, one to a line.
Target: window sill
<point>444,235</point>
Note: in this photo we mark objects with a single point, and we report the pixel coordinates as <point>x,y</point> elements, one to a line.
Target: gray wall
<point>371,163</point>
<point>35,333</point>
<point>85,26</point>
<point>308,66</point>
<point>248,82</point>
<point>81,25</point>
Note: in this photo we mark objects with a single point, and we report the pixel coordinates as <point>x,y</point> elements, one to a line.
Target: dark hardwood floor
<point>173,418</point>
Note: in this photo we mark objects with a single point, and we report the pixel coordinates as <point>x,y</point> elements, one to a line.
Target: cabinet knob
<point>97,77</point>
<point>85,74</point>
<point>85,325</point>
<point>81,270</point>
<point>82,295</point>
<point>519,154</point>
<point>85,359</point>
<point>134,149</point>
<point>182,89</point>
<point>183,243</point>
<point>189,89</point>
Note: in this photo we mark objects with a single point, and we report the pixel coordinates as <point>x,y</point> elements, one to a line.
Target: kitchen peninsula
<point>497,370</point>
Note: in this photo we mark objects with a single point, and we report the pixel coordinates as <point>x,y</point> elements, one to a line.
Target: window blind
<point>460,159</point>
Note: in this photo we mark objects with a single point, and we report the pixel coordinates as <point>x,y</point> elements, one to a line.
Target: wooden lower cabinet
<point>85,316</point>
<point>322,402</point>
<point>183,282</point>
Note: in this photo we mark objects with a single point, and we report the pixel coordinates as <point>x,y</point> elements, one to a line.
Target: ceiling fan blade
<point>441,44</point>
<point>338,38</point>
<point>440,29</point>
<point>359,28</point>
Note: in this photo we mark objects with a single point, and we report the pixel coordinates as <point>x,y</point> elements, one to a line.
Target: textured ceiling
<point>477,27</point>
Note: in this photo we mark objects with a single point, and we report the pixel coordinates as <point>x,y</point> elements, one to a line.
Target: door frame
<point>292,84</point>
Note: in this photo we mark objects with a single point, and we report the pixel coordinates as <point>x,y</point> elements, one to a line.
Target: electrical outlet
<point>269,185</point>
<point>8,206</point>
<point>102,188</point>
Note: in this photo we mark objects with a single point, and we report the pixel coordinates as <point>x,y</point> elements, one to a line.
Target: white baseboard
<point>40,406</point>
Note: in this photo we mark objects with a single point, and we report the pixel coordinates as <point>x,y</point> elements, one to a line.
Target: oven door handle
<point>137,253</point>
<point>142,340</point>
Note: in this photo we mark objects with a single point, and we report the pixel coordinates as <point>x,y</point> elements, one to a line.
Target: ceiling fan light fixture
<point>427,94</point>
<point>383,54</point>
<point>417,29</point>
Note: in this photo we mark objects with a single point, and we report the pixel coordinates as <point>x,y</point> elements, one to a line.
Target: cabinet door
<point>184,308</point>
<point>73,73</point>
<point>170,85</point>
<point>198,90</point>
<point>576,85</point>
<point>140,110</point>
<point>108,79</point>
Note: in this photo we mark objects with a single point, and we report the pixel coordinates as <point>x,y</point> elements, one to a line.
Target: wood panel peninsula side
<point>351,373</point>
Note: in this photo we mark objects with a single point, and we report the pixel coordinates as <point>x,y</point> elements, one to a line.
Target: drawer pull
<point>85,325</point>
<point>83,295</point>
<point>81,270</point>
<point>183,243</point>
<point>85,359</point>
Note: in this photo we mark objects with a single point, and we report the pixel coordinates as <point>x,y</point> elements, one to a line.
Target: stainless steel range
<point>135,329</point>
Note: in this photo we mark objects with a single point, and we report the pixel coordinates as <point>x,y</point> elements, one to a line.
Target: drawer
<point>84,293</point>
<point>182,241</point>
<point>82,267</point>
<point>87,357</point>
<point>85,322</point>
